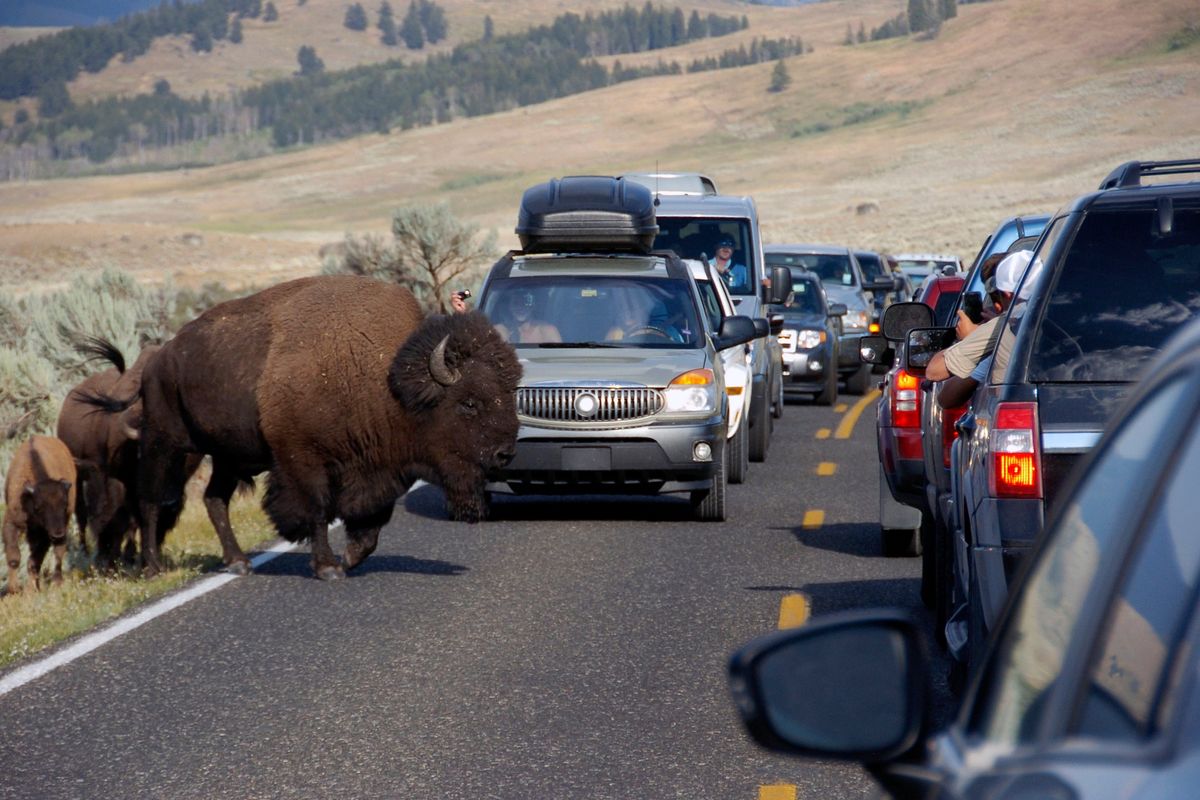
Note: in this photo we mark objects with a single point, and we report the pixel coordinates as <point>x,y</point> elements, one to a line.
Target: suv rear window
<point>1119,296</point>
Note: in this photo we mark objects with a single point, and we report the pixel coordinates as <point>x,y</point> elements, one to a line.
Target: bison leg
<point>362,536</point>
<point>38,545</point>
<point>161,480</point>
<point>12,553</point>
<point>60,555</point>
<point>216,499</point>
<point>465,500</point>
<point>298,511</point>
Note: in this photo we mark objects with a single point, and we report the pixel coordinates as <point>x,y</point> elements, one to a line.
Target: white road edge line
<point>91,641</point>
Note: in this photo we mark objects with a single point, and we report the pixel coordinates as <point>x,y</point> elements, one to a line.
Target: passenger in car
<point>733,273</point>
<point>521,327</point>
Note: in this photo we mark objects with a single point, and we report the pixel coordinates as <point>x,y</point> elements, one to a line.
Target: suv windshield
<point>701,238</point>
<point>829,267</point>
<point>1123,290</point>
<point>806,298</point>
<point>872,266</point>
<point>594,311</point>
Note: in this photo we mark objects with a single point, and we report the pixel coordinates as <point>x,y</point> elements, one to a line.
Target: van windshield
<point>703,239</point>
<point>832,268</point>
<point>594,311</point>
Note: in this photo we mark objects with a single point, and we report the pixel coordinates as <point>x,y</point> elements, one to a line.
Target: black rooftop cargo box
<point>587,213</point>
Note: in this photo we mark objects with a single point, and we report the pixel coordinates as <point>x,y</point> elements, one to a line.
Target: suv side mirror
<point>900,318</point>
<point>837,309</point>
<point>775,322</point>
<point>874,350</point>
<point>734,331</point>
<point>881,285</point>
<point>923,345</point>
<point>781,286</point>
<point>762,328</point>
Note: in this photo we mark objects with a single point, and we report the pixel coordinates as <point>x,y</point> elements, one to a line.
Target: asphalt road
<point>566,649</point>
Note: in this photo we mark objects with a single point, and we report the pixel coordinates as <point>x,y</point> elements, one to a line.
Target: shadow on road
<point>852,539</point>
<point>429,502</point>
<point>297,564</point>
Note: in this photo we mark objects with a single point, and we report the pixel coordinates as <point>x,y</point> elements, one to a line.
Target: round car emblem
<point>586,405</point>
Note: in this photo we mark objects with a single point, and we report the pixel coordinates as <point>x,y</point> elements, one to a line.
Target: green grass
<point>470,180</point>
<point>33,621</point>
<point>1185,37</point>
<point>858,114</point>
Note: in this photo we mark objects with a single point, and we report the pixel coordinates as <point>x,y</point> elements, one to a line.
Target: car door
<point>1082,692</point>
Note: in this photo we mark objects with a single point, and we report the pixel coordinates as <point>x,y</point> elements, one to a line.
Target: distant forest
<point>480,77</point>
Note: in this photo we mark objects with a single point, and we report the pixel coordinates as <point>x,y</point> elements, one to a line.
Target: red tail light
<point>950,416</point>
<point>906,400</point>
<point>1016,451</point>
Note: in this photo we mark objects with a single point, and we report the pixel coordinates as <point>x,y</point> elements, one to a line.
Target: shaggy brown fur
<point>318,381</point>
<point>39,493</point>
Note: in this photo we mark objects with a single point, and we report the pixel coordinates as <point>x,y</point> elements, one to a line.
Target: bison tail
<point>103,402</point>
<point>97,348</point>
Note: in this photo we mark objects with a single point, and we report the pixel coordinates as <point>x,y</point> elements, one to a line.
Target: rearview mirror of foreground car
<point>923,345</point>
<point>850,686</point>
<point>734,331</point>
<point>900,318</point>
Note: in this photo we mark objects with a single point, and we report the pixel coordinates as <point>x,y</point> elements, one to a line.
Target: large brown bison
<point>105,450</point>
<point>39,493</point>
<point>339,388</point>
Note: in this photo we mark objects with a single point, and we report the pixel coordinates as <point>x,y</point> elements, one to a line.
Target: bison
<point>105,450</point>
<point>344,392</point>
<point>39,493</point>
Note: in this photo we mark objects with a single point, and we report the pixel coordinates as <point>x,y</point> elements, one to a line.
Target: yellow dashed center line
<point>826,468</point>
<point>846,426</point>
<point>777,791</point>
<point>794,610</point>
<point>840,408</point>
<point>823,433</point>
<point>813,518</point>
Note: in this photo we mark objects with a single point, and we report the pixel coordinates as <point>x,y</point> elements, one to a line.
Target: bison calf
<point>40,493</point>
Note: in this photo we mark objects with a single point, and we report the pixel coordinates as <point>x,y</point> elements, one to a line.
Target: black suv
<point>1114,275</point>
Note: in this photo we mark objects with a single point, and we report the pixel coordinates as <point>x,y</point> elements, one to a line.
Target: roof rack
<point>1130,173</point>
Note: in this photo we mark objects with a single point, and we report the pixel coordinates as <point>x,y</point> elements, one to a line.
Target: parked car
<point>718,306</point>
<point>809,338</point>
<point>1088,688</point>
<point>843,280</point>
<point>623,388</point>
<point>919,266</point>
<point>1116,272</point>
<point>692,225</point>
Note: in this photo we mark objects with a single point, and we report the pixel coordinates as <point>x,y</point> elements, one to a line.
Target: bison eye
<point>468,407</point>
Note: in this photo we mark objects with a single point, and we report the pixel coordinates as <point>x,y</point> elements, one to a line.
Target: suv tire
<point>738,449</point>
<point>760,426</point>
<point>708,505</point>
<point>829,394</point>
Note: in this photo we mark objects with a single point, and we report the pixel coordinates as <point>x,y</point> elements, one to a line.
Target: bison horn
<point>437,365</point>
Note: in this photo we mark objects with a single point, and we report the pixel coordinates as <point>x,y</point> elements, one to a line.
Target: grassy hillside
<point>1002,113</point>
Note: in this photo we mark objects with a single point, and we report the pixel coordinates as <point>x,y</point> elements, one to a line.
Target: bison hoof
<point>331,572</point>
<point>239,568</point>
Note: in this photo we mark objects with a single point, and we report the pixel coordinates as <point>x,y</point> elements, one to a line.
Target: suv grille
<point>787,340</point>
<point>612,404</point>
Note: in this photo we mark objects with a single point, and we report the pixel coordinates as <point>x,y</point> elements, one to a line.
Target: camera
<point>463,295</point>
<point>972,306</point>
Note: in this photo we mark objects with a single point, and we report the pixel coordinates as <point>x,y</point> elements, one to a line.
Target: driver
<point>520,326</point>
<point>734,274</point>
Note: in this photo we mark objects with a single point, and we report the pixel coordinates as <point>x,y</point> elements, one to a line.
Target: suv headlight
<point>855,319</point>
<point>691,393</point>
<point>809,339</point>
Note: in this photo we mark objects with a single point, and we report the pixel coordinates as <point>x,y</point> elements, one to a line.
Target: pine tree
<point>162,88</point>
<point>849,35</point>
<point>696,28</point>
<point>947,8</point>
<point>433,20</point>
<point>780,79</point>
<point>53,99</point>
<point>310,64</point>
<point>356,18</point>
<point>489,28</point>
<point>920,17</point>
<point>202,40</point>
<point>270,13</point>
<point>235,31</point>
<point>410,30</point>
<point>862,33</point>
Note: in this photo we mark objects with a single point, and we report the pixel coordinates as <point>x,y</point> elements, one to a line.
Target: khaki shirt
<point>961,357</point>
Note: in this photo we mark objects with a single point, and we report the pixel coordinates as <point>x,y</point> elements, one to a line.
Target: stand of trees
<point>919,16</point>
<point>475,78</point>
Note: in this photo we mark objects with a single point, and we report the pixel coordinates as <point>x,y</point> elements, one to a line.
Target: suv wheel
<point>777,397</point>
<point>900,542</point>
<point>829,394</point>
<point>739,454</point>
<point>760,426</point>
<point>859,382</point>
<point>708,505</point>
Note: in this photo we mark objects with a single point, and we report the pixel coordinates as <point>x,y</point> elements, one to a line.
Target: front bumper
<point>651,459</point>
<point>805,370</point>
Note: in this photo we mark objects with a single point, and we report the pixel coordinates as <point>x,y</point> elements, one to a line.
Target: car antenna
<point>657,202</point>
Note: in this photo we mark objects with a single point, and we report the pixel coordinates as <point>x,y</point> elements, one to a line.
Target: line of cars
<point>1083,634</point>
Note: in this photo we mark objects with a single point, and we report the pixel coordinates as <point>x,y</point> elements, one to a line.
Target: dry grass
<point>32,621</point>
<point>1000,114</point>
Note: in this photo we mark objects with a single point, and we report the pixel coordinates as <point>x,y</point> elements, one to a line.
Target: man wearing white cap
<point>960,359</point>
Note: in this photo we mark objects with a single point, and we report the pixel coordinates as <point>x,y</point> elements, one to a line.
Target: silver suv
<point>623,390</point>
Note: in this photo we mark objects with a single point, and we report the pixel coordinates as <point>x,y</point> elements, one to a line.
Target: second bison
<point>344,392</point>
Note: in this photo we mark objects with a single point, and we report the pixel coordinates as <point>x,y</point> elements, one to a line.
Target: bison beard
<point>340,389</point>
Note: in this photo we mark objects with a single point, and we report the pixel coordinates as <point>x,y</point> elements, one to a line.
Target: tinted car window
<point>1122,291</point>
<point>872,267</point>
<point>587,310</point>
<point>943,308</point>
<point>697,238</point>
<point>834,268</point>
<point>1144,627</point>
<point>712,306</point>
<point>1038,631</point>
<point>1021,304</point>
<point>806,298</point>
